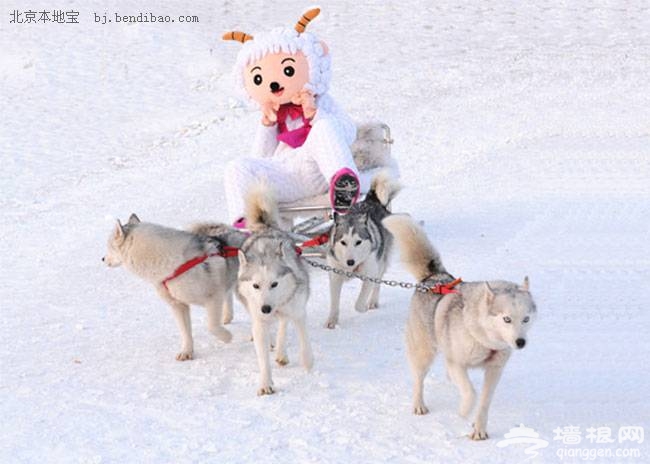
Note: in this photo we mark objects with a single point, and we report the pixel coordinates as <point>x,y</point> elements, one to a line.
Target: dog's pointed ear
<point>489,293</point>
<point>242,258</point>
<point>133,219</point>
<point>526,285</point>
<point>118,231</point>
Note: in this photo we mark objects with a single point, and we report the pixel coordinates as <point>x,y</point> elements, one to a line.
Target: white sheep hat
<point>290,41</point>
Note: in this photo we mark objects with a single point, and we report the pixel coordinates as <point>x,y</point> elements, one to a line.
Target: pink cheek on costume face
<point>259,93</point>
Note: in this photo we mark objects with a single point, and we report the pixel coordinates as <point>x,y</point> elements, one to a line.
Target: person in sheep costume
<point>302,146</point>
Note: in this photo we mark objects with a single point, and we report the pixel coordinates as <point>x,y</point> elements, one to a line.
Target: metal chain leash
<point>375,280</point>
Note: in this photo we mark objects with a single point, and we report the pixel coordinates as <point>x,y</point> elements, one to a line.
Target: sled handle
<point>388,140</point>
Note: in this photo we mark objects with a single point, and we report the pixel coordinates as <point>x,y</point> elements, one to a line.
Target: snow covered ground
<point>523,135</point>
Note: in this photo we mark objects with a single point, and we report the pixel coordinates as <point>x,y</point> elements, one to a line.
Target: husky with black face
<point>273,284</point>
<point>478,326</point>
<point>361,244</point>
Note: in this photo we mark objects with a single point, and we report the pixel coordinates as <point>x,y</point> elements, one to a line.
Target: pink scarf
<point>294,138</point>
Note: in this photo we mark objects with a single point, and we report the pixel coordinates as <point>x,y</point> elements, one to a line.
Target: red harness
<point>445,289</point>
<point>231,252</point>
<point>314,242</point>
<point>226,252</point>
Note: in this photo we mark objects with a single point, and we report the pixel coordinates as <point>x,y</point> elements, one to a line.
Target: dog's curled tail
<point>261,207</point>
<point>418,254</point>
<point>384,188</point>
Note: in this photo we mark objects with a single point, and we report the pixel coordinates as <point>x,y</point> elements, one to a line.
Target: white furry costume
<point>304,171</point>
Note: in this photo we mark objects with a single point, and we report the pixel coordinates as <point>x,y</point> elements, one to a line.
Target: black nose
<point>520,343</point>
<point>350,262</point>
<point>266,309</point>
<point>103,258</point>
<point>275,86</point>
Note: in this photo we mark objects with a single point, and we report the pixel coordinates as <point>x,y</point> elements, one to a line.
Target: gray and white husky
<point>154,253</point>
<point>273,284</point>
<point>476,327</point>
<point>360,243</point>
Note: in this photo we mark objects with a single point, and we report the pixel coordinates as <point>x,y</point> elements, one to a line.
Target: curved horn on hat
<point>237,35</point>
<point>305,19</point>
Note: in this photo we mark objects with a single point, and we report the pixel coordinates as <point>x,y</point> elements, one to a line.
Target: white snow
<point>523,136</point>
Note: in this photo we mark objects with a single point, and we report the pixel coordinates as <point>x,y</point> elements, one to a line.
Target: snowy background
<point>523,136</point>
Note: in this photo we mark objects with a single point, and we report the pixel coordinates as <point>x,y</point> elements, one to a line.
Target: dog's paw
<point>478,433</point>
<point>420,410</point>
<point>184,356</point>
<point>331,324</point>
<point>282,360</point>
<point>361,307</point>
<point>268,390</point>
<point>222,334</point>
<point>373,305</point>
<point>227,319</point>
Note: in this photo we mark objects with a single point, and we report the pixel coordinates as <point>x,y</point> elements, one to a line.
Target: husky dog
<point>273,283</point>
<point>155,253</point>
<point>476,327</point>
<point>360,243</point>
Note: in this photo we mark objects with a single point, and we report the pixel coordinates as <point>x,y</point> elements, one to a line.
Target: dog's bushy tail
<point>418,254</point>
<point>383,188</point>
<point>210,229</point>
<point>227,235</point>
<point>261,208</point>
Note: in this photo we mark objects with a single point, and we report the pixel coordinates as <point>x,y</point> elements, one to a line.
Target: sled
<point>372,153</point>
